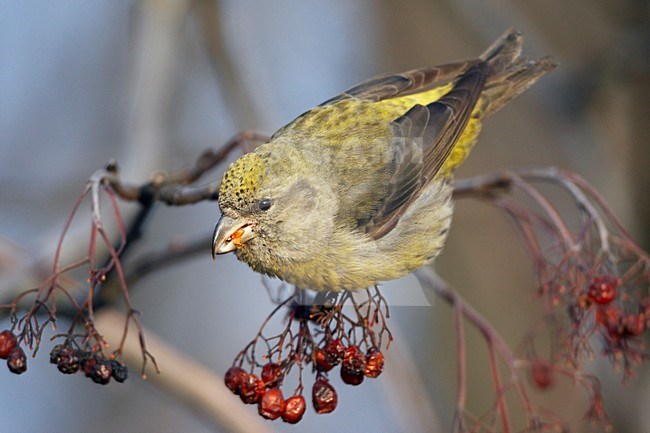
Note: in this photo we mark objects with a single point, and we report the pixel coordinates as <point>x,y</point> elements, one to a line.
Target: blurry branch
<point>155,54</point>
<point>155,59</point>
<point>537,418</point>
<point>86,313</point>
<point>157,25</point>
<point>404,388</point>
<point>107,281</point>
<point>592,278</point>
<point>175,188</point>
<point>587,199</point>
<point>176,252</point>
<point>242,109</point>
<point>194,385</point>
<point>496,347</point>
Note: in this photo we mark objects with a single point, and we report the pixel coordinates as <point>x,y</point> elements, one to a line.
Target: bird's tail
<point>510,74</point>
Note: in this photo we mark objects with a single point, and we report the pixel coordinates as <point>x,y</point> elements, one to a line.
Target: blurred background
<point>152,83</point>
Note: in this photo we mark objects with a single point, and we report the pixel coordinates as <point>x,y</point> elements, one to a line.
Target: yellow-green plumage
<point>358,188</point>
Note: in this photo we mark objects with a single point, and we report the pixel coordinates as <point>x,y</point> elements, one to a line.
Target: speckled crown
<point>241,182</point>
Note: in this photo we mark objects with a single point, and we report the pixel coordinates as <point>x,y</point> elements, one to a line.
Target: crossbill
<point>358,190</point>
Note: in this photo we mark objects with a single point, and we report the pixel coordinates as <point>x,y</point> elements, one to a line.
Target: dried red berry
<point>7,343</point>
<point>542,374</point>
<point>251,389</point>
<point>272,375</point>
<point>17,361</point>
<point>353,366</point>
<point>55,353</point>
<point>351,378</point>
<point>294,409</point>
<point>375,364</point>
<point>101,372</point>
<point>271,404</point>
<point>119,371</point>
<point>608,315</point>
<point>615,332</point>
<point>334,351</point>
<point>68,361</point>
<point>234,378</point>
<point>88,363</point>
<point>323,396</point>
<point>612,318</point>
<point>634,324</point>
<point>321,361</point>
<point>602,289</point>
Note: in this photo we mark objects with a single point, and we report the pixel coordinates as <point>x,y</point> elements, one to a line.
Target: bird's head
<point>272,207</point>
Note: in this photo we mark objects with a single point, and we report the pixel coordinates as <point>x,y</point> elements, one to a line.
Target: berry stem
<point>495,344</point>
<point>461,379</point>
<point>428,278</point>
<point>498,386</point>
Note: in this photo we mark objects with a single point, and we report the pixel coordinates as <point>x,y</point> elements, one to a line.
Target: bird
<point>358,190</point>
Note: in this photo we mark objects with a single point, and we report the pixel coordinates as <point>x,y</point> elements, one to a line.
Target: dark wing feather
<point>403,84</point>
<point>430,133</point>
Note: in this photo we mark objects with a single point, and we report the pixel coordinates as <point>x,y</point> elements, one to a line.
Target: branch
<point>192,384</point>
<point>175,188</point>
<point>429,279</point>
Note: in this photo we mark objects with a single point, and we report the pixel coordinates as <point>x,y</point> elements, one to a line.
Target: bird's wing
<point>423,138</point>
<point>406,83</point>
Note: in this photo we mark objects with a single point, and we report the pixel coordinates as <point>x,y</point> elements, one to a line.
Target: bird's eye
<point>264,204</point>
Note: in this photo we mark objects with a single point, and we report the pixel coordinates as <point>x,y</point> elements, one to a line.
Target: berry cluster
<point>601,285</point>
<point>92,363</point>
<point>617,309</point>
<point>355,365</point>
<point>325,337</point>
<point>597,285</point>
<point>616,322</point>
<point>610,302</point>
<point>265,392</point>
<point>12,352</point>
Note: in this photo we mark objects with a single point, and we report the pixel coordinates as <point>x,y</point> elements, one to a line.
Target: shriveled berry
<point>251,389</point>
<point>612,320</point>
<point>542,374</point>
<point>119,371</point>
<point>351,378</point>
<point>101,372</point>
<point>68,361</point>
<point>353,366</point>
<point>17,361</point>
<point>8,341</point>
<point>234,378</point>
<point>294,409</point>
<point>271,404</point>
<point>375,364</point>
<point>634,324</point>
<point>334,351</point>
<point>55,353</point>
<point>321,361</point>
<point>602,289</point>
<point>88,364</point>
<point>323,396</point>
<point>610,315</point>
<point>615,331</point>
<point>272,375</point>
